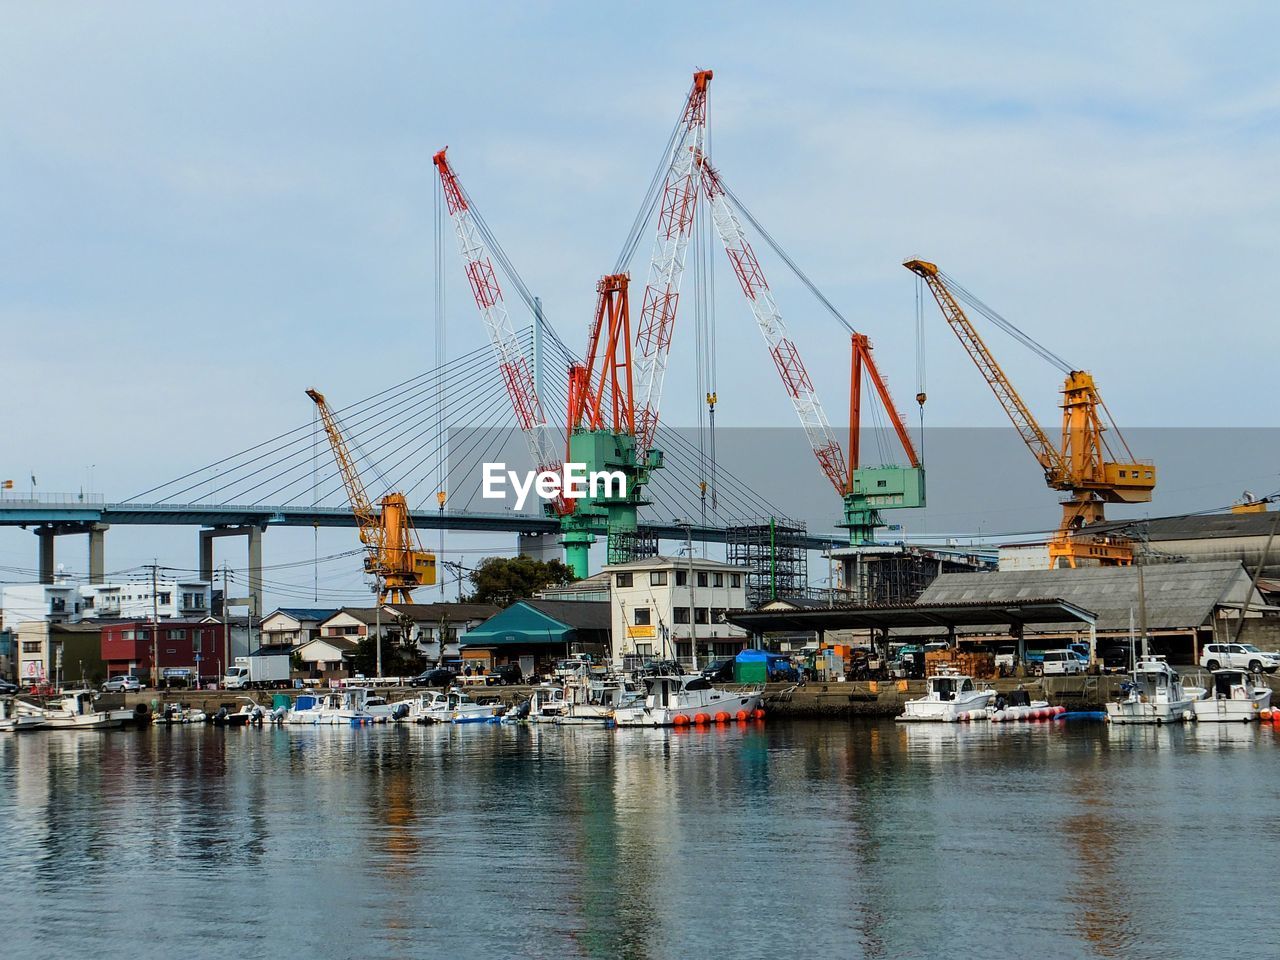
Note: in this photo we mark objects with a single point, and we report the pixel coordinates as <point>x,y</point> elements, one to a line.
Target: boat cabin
<point>945,686</point>
<point>1154,677</point>
<point>1230,685</point>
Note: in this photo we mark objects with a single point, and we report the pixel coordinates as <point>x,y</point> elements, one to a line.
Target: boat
<point>74,710</point>
<point>674,700</point>
<point>381,709</point>
<point>462,709</point>
<point>337,708</point>
<point>11,721</point>
<point>1232,695</point>
<point>547,701</point>
<point>1153,695</point>
<point>429,707</point>
<point>592,701</point>
<point>178,713</point>
<point>1019,706</point>
<point>950,696</point>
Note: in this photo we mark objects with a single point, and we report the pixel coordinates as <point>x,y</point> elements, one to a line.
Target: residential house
<point>324,657</point>
<point>293,626</point>
<point>181,649</point>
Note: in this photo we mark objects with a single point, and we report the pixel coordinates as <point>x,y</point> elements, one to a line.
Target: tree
<point>504,580</point>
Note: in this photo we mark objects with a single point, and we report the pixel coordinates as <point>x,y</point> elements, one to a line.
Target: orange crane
<point>1083,465</point>
<point>394,556</point>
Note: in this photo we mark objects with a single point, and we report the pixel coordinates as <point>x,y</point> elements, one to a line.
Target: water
<point>780,840</point>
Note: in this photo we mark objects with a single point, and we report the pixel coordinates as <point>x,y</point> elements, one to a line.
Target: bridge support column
<point>98,552</point>
<point>253,533</point>
<point>45,537</point>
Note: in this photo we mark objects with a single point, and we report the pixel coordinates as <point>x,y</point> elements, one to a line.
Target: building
<point>293,626</point>
<point>536,633</point>
<point>184,649</point>
<point>1187,604</point>
<point>594,587</point>
<point>324,658</point>
<point>662,606</point>
<point>66,602</point>
<point>424,622</point>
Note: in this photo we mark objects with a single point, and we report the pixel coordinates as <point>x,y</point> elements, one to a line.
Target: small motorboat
<point>338,708</point>
<point>178,713</point>
<point>1019,706</point>
<point>429,707</point>
<point>677,700</point>
<point>593,700</point>
<point>950,696</point>
<point>1232,695</point>
<point>1153,695</point>
<point>74,710</point>
<point>11,721</point>
<point>462,709</point>
<point>547,702</point>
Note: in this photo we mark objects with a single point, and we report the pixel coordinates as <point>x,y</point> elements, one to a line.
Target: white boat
<point>462,709</point>
<point>337,708</point>
<point>177,713</point>
<point>592,701</point>
<point>11,721</point>
<point>73,711</point>
<point>547,702</point>
<point>1232,695</point>
<point>1153,695</point>
<point>429,707</point>
<point>950,696</point>
<point>378,707</point>
<point>672,700</point>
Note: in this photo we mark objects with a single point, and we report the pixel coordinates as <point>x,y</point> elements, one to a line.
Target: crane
<point>1083,465</point>
<point>864,490</point>
<point>393,555</point>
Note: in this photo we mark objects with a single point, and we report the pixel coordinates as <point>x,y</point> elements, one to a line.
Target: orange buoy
<point>757,714</point>
<point>680,720</point>
<point>741,715</point>
<point>722,717</point>
<point>701,718</point>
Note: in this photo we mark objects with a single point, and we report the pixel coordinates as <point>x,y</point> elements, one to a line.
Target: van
<point>1061,663</point>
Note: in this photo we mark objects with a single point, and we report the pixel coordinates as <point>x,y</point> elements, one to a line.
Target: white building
<point>661,606</point>
<point>293,626</point>
<point>66,602</point>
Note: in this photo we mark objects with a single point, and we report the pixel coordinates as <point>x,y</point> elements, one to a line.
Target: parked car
<point>719,671</point>
<point>1242,656</point>
<point>1061,663</point>
<point>122,684</point>
<point>7,686</point>
<point>505,675</point>
<point>439,677</point>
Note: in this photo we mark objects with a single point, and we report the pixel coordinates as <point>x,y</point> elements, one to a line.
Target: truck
<point>258,672</point>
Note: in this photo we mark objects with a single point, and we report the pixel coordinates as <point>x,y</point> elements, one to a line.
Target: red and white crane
<point>677,205</point>
<point>512,362</point>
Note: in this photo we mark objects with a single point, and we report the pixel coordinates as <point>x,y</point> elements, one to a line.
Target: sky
<point>208,208</point>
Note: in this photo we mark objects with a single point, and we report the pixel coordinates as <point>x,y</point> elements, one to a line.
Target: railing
<point>35,501</point>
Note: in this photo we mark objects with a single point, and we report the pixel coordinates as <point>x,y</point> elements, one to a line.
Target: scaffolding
<point>898,574</point>
<point>775,552</point>
<point>632,545</point>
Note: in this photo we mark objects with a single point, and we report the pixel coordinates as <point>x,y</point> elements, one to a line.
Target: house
<point>536,633</point>
<point>663,606</point>
<point>428,622</point>
<point>325,657</point>
<point>63,602</point>
<point>594,587</point>
<point>44,602</point>
<point>293,626</point>
<point>182,650</point>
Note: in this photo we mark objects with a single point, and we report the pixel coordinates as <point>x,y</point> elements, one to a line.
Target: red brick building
<point>180,645</point>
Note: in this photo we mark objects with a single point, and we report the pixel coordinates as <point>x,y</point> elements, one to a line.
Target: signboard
<point>647,632</point>
<point>33,669</point>
<point>175,673</point>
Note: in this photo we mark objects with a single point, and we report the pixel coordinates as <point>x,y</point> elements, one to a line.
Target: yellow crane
<point>394,556</point>
<point>1083,464</point>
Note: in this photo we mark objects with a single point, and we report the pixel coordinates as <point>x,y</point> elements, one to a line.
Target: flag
<point>7,485</point>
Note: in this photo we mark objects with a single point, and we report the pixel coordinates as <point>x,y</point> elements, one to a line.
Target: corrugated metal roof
<point>1178,595</point>
<point>1194,526</point>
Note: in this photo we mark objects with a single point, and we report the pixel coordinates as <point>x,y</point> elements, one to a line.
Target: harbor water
<point>780,839</point>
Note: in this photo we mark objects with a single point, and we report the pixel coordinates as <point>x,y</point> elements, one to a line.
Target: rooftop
<point>660,562</point>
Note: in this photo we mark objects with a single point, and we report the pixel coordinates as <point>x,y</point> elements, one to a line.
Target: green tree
<point>504,580</point>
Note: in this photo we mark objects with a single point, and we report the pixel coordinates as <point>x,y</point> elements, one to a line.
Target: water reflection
<point>862,839</point>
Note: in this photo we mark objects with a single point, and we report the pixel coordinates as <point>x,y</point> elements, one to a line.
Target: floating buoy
<point>701,718</point>
<point>722,717</point>
<point>680,720</point>
<point>757,714</point>
<point>741,716</point>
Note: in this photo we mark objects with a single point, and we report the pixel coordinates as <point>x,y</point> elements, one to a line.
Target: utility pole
<point>693,607</point>
<point>155,624</point>
<point>377,591</point>
<point>226,627</point>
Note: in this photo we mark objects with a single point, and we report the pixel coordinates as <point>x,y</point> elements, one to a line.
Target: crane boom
<point>677,204</point>
<point>1019,413</point>
<point>366,516</point>
<point>512,363</point>
<point>786,357</point>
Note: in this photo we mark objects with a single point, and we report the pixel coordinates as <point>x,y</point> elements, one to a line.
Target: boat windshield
<point>944,687</point>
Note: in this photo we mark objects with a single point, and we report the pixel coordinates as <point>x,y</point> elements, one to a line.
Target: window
<point>717,579</point>
<point>30,646</point>
<point>682,578</point>
<point>350,631</point>
<point>623,579</point>
<point>126,634</point>
<point>735,580</point>
<point>642,616</point>
<point>88,603</point>
<point>165,597</point>
<point>142,635</point>
<point>702,579</point>
<point>717,614</point>
<point>658,578</point>
<point>644,649</point>
<point>177,634</point>
<point>681,614</point>
<point>57,604</point>
<point>700,615</point>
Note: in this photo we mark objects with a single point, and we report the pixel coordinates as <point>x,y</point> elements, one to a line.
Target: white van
<point>1061,663</point>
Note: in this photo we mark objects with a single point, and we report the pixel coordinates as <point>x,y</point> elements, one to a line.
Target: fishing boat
<point>1232,695</point>
<point>1154,694</point>
<point>592,701</point>
<point>673,700</point>
<point>462,709</point>
<point>950,696</point>
<point>177,713</point>
<point>74,710</point>
<point>547,702</point>
<point>337,708</point>
<point>429,707</point>
<point>11,721</point>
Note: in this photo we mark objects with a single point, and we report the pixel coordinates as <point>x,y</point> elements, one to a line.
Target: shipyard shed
<point>1187,604</point>
<point>1241,536</point>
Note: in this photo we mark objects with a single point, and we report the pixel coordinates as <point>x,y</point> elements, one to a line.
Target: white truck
<point>259,672</point>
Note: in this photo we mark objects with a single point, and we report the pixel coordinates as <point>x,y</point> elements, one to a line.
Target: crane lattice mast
<point>677,204</point>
